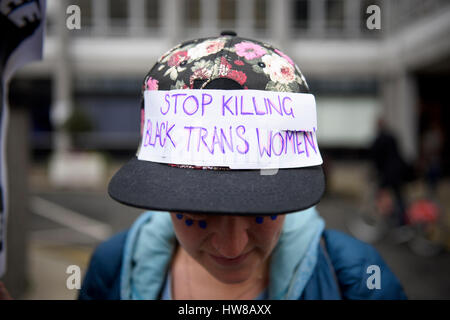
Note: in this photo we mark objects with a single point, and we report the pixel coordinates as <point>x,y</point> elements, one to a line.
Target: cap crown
<point>251,64</point>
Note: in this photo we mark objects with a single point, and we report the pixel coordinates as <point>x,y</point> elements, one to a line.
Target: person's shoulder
<point>362,272</point>
<point>103,275</point>
<point>342,246</point>
<point>109,250</point>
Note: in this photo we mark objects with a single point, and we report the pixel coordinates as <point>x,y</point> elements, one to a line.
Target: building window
<point>300,13</point>
<point>260,14</point>
<point>192,13</point>
<point>152,12</point>
<point>227,14</point>
<point>335,15</point>
<point>118,12</point>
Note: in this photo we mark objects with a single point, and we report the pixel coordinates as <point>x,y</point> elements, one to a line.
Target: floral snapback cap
<point>251,64</point>
<point>226,62</point>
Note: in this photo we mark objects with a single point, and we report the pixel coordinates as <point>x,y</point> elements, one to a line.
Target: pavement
<point>67,225</point>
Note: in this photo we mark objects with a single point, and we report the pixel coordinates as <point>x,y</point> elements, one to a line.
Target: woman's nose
<point>230,237</point>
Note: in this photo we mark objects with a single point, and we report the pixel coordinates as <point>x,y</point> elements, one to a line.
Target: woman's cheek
<point>269,231</point>
<point>190,232</point>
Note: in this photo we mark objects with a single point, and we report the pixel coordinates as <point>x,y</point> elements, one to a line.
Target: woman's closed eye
<point>191,219</point>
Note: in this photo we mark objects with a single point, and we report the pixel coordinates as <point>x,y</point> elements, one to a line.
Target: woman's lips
<point>230,262</point>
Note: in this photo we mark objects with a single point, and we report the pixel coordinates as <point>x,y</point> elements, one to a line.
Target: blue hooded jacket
<point>307,263</point>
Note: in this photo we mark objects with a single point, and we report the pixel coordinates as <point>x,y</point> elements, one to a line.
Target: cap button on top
<point>228,33</point>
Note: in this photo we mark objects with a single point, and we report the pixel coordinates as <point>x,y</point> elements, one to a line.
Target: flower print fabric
<point>251,64</point>
<point>226,71</point>
<point>237,76</point>
<point>278,69</point>
<point>175,63</point>
<point>249,50</point>
<point>152,84</point>
<point>285,56</point>
<point>206,48</point>
<point>201,70</point>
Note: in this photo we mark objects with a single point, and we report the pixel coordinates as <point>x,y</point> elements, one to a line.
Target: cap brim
<point>158,186</point>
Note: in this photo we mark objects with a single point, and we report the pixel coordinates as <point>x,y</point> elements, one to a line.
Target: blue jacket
<point>341,271</point>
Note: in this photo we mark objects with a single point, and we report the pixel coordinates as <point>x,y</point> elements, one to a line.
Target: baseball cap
<point>228,126</point>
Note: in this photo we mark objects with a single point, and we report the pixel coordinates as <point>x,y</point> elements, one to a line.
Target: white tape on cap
<point>240,129</point>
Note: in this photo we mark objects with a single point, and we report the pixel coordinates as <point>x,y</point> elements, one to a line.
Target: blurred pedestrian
<point>432,145</point>
<point>391,172</point>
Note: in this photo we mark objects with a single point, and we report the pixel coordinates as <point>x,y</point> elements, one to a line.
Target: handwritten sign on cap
<point>239,129</point>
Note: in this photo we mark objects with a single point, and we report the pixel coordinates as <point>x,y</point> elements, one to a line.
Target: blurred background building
<point>88,85</point>
<point>399,70</point>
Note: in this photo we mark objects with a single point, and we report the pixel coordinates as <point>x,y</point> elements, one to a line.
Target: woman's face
<point>230,248</point>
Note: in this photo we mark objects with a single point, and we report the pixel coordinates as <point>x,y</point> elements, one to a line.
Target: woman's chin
<point>231,274</point>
